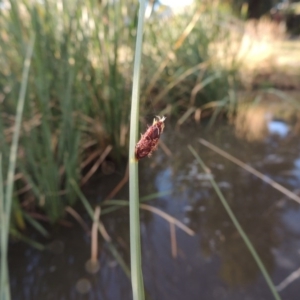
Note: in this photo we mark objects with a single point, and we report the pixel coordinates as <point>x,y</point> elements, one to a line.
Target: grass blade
<point>36,225</point>
<point>4,284</point>
<point>238,226</point>
<point>27,240</point>
<point>15,141</point>
<point>251,170</point>
<point>7,203</point>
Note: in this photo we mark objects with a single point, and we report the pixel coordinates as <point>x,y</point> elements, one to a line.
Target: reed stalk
<point>7,195</point>
<point>135,238</point>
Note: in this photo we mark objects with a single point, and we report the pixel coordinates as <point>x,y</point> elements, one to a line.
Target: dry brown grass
<point>263,53</point>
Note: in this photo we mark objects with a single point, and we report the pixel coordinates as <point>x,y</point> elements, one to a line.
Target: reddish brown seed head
<point>149,140</point>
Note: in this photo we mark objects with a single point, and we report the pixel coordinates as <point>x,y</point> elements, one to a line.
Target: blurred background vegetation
<point>197,60</point>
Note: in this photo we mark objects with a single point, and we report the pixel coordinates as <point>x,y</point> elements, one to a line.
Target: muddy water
<point>214,263</point>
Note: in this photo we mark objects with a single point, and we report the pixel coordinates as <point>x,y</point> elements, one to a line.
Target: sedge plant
<point>79,99</point>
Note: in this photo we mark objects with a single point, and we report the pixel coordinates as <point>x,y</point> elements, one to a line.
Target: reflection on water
<point>278,127</point>
<point>213,264</point>
<point>256,121</point>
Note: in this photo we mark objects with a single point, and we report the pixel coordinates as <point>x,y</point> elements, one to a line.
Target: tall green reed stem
<point>135,238</point>
<point>238,227</point>
<point>7,196</point>
<point>4,286</point>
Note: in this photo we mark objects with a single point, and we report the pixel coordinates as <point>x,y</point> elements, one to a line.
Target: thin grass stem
<point>248,168</point>
<point>238,226</point>
<point>7,203</point>
<point>4,286</point>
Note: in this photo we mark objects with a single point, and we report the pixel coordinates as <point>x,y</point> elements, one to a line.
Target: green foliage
<point>80,82</point>
<point>198,63</point>
<point>77,93</point>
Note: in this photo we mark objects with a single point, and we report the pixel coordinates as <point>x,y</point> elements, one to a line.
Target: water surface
<point>212,264</point>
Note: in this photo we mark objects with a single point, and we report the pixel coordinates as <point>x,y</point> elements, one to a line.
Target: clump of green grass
<point>78,100</point>
<point>80,84</point>
<point>188,70</point>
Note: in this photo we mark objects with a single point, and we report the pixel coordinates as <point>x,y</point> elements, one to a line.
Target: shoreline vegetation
<point>195,64</point>
<point>78,101</point>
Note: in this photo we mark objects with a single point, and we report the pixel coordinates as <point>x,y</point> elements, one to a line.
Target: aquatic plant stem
<point>135,238</point>
<point>90,211</point>
<point>7,203</point>
<point>238,226</point>
<point>4,287</point>
<point>248,168</point>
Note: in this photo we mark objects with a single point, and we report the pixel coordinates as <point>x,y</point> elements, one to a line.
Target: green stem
<point>135,239</point>
<point>7,203</point>
<point>238,227</point>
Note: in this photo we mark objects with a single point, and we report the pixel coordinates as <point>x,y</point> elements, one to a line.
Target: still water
<point>214,263</point>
